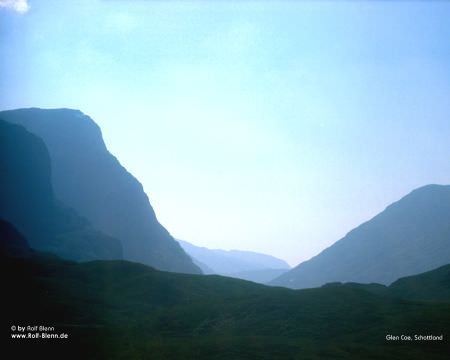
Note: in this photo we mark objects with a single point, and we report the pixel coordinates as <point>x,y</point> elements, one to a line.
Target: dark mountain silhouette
<point>430,286</point>
<point>28,203</point>
<point>12,243</point>
<point>123,310</point>
<point>89,179</point>
<point>246,265</point>
<point>409,237</point>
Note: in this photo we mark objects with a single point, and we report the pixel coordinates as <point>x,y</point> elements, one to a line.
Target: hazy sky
<point>268,126</point>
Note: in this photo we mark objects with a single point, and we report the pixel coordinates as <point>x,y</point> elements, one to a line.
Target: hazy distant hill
<point>93,182</point>
<point>27,202</point>
<point>262,276</point>
<point>409,237</point>
<point>246,265</point>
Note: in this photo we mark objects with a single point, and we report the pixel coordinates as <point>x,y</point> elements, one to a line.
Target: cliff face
<point>91,180</point>
<point>27,201</point>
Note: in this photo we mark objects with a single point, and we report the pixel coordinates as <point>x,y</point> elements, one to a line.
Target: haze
<point>264,126</point>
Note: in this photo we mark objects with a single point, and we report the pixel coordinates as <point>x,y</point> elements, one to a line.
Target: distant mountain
<point>246,265</point>
<point>89,179</point>
<point>27,202</point>
<point>409,237</point>
<point>262,276</point>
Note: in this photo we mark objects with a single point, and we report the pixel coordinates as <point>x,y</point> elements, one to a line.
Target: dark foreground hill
<point>27,201</point>
<point>89,179</point>
<point>411,236</point>
<point>123,310</point>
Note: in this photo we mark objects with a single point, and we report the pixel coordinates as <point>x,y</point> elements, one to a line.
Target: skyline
<point>267,127</point>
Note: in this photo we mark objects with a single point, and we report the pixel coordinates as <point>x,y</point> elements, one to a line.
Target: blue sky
<point>267,126</point>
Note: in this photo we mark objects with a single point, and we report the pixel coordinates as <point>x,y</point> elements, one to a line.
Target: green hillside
<point>433,285</point>
<point>119,309</point>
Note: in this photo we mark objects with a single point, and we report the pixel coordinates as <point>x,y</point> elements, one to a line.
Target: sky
<point>267,126</point>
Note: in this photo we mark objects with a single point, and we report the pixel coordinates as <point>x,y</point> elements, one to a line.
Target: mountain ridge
<point>248,265</point>
<point>89,179</point>
<point>410,236</point>
<point>27,201</point>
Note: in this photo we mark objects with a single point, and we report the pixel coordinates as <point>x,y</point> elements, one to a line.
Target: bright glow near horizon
<point>267,126</point>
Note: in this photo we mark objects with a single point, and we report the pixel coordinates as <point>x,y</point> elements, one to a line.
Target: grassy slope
<point>117,310</point>
<point>433,285</point>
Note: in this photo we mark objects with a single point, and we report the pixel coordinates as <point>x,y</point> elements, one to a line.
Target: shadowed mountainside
<point>12,243</point>
<point>89,179</point>
<point>27,202</point>
<point>411,236</point>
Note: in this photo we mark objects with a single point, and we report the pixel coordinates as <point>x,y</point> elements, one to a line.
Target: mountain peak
<point>89,179</point>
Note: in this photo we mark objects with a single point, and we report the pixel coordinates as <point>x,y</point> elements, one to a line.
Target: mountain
<point>430,286</point>
<point>433,285</point>
<point>262,276</point>
<point>123,310</point>
<point>27,202</point>
<point>409,237</point>
<point>12,243</point>
<point>246,265</point>
<point>90,180</point>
